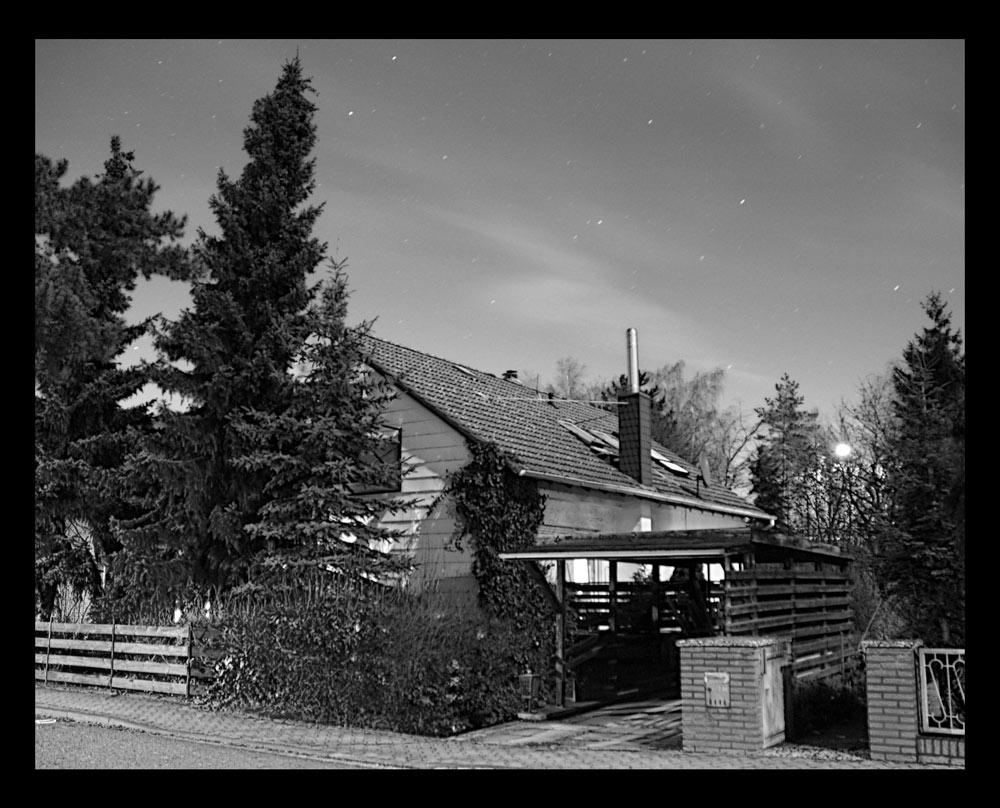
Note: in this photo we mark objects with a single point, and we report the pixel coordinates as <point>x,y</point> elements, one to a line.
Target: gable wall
<point>431,449</point>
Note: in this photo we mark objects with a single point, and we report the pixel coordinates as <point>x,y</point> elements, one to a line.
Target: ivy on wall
<point>501,512</point>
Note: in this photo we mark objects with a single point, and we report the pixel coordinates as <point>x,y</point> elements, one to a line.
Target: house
<point>595,464</point>
<point>616,502</point>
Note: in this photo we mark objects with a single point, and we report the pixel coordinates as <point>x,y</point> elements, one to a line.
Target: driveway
<point>650,723</point>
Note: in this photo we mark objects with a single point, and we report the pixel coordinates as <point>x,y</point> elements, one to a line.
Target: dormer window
<point>606,444</point>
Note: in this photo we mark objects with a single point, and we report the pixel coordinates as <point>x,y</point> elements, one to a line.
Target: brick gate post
<point>893,716</point>
<point>732,693</point>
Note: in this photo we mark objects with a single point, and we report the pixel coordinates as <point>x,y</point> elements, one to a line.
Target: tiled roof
<point>527,426</point>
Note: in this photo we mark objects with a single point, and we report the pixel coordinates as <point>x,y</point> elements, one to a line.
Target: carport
<point>770,583</point>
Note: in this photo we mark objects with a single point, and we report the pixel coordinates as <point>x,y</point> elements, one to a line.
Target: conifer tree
<point>93,240</point>
<point>787,453</point>
<point>924,561</point>
<point>261,461</point>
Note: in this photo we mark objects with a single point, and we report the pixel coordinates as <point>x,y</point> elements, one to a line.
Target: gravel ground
<point>791,750</point>
<point>846,741</point>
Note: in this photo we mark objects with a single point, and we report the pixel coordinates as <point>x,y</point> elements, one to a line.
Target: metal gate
<point>942,690</point>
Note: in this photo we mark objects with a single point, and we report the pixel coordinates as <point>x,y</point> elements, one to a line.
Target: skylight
<point>607,445</point>
<point>580,432</point>
<point>668,464</point>
<point>610,440</point>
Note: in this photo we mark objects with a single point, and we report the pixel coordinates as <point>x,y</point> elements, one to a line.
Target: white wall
<point>575,511</point>
<point>431,449</point>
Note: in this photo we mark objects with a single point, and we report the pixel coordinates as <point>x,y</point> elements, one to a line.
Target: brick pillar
<point>892,686</point>
<point>727,702</point>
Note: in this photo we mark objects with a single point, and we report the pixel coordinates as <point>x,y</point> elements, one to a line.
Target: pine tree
<point>258,461</point>
<point>924,563</point>
<point>93,240</point>
<point>786,458</point>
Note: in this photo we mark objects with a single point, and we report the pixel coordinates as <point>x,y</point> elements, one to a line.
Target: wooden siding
<point>431,449</point>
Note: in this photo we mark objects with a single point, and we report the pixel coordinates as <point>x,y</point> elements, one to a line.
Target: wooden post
<point>187,681</point>
<point>111,669</point>
<point>613,622</point>
<point>613,597</point>
<point>656,599</point>
<point>561,633</point>
<point>48,649</point>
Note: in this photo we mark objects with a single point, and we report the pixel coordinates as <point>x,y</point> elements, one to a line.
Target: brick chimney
<point>635,422</point>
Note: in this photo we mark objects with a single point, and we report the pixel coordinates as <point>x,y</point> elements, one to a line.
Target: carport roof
<point>679,545</point>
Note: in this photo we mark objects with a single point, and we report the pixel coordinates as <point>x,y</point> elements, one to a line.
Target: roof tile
<point>526,424</point>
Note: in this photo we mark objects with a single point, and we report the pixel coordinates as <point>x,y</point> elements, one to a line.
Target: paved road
<point>67,745</point>
<point>636,736</point>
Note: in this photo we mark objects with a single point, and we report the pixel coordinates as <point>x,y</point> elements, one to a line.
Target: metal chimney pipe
<point>632,343</point>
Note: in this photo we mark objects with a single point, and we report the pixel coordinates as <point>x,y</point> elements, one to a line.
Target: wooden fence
<point>812,607</point>
<point>671,606</point>
<point>155,659</point>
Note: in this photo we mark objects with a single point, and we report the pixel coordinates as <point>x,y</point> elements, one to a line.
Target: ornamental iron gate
<point>942,690</point>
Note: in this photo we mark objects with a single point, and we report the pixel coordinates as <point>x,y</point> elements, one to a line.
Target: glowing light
<point>842,450</point>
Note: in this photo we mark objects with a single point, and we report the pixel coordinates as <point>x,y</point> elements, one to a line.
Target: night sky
<point>764,206</point>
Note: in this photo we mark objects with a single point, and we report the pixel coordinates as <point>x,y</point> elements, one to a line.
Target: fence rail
<point>156,659</point>
<point>942,690</point>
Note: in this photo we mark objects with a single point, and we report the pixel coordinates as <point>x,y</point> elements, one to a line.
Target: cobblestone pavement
<point>642,735</point>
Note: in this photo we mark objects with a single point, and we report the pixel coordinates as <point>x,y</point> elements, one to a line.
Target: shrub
<point>368,658</point>
<point>820,705</point>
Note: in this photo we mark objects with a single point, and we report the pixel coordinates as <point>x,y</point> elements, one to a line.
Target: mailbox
<point>717,689</point>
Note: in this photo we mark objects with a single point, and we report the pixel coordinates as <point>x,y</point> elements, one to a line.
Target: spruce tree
<point>259,461</point>
<point>93,240</point>
<point>787,452</point>
<point>924,562</point>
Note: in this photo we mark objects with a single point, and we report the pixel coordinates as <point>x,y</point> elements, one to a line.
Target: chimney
<point>635,422</point>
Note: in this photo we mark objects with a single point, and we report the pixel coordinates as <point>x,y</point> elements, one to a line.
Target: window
<point>669,464</point>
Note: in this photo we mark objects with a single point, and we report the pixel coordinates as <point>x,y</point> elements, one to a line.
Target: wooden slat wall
<point>812,607</point>
<point>591,604</point>
<point>123,656</point>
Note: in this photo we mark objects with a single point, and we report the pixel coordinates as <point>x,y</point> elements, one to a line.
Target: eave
<point>678,545</point>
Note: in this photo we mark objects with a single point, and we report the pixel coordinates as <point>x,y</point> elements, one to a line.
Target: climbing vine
<point>500,512</point>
